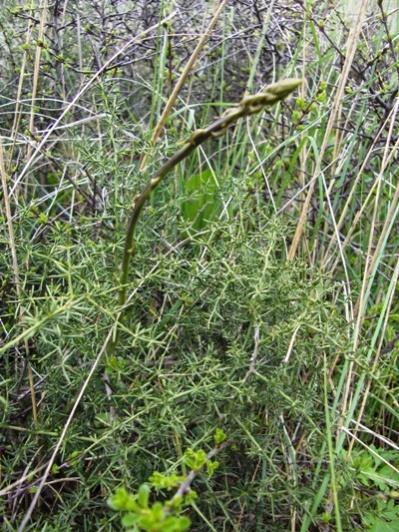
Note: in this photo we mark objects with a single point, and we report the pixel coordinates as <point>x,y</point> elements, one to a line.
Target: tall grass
<point>263,298</point>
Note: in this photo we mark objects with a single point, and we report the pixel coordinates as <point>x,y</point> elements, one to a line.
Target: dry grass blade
<point>50,464</point>
<point>371,258</point>
<point>157,308</point>
<point>376,360</point>
<point>351,46</point>
<point>183,77</point>
<point>36,71</point>
<point>12,244</point>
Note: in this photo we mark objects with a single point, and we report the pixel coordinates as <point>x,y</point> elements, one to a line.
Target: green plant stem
<point>249,105</point>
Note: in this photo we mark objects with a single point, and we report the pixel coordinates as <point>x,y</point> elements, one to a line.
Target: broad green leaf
<point>201,202</point>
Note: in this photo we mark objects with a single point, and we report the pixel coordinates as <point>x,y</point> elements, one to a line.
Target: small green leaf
<point>160,481</point>
<point>195,460</point>
<point>211,467</point>
<point>190,497</point>
<point>158,510</point>
<point>123,501</point>
<point>129,519</point>
<point>219,436</point>
<point>143,495</point>
<point>43,218</point>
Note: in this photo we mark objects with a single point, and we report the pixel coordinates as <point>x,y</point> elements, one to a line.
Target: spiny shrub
<point>223,332</point>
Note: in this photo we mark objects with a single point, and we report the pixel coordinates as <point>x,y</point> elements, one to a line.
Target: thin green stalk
<point>334,486</point>
<point>249,105</point>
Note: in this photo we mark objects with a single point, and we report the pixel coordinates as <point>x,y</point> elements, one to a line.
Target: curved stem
<point>249,105</point>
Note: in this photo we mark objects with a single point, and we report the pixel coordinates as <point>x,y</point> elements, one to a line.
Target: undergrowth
<point>208,311</point>
<point>262,297</point>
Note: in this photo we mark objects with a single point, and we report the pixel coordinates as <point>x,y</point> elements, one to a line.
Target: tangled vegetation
<point>241,371</point>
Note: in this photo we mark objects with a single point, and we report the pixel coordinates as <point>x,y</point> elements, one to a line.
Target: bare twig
<point>254,357</point>
<point>80,93</point>
<point>185,486</point>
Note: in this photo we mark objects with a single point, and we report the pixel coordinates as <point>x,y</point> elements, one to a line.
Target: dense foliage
<point>254,376</point>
